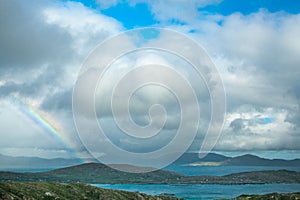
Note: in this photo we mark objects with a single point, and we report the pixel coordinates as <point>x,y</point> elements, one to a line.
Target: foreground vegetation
<point>60,191</point>
<point>272,196</point>
<point>43,190</point>
<point>99,173</point>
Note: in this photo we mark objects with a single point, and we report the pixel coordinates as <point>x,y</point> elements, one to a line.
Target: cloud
<point>42,47</point>
<point>58,101</point>
<point>86,27</point>
<point>256,55</point>
<point>27,42</point>
<point>140,101</point>
<point>250,129</point>
<point>44,43</point>
<point>22,135</point>
<point>176,11</point>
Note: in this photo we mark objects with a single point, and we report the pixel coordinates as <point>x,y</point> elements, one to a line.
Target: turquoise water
<point>222,170</point>
<point>204,191</point>
<point>187,170</point>
<point>209,191</point>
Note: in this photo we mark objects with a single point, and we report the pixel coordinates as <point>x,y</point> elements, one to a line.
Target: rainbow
<point>45,122</point>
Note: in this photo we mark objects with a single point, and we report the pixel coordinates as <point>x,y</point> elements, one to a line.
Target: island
<point>99,173</point>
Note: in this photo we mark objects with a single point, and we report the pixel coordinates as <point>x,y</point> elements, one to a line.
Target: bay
<point>222,170</point>
<point>204,191</point>
<point>209,191</point>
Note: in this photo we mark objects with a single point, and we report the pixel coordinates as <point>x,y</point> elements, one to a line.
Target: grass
<point>52,190</point>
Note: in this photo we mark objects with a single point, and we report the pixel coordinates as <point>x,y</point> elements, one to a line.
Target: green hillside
<point>49,191</point>
<point>271,196</point>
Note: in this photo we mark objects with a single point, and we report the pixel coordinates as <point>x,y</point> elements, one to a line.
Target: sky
<point>254,45</point>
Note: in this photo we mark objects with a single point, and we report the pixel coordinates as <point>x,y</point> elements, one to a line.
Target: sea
<point>209,191</point>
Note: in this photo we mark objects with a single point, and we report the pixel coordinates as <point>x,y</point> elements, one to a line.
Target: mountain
<point>192,159</point>
<point>251,160</point>
<point>96,172</point>
<point>93,173</point>
<point>28,163</point>
<point>99,173</point>
<point>188,158</point>
<point>42,190</point>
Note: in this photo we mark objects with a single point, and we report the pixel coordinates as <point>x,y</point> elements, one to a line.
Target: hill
<point>188,158</point>
<point>244,160</point>
<point>49,191</point>
<point>271,196</point>
<point>92,173</point>
<point>251,160</point>
<point>95,172</point>
<point>32,163</point>
<point>99,173</point>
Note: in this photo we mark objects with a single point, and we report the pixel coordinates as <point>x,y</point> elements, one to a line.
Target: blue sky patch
<point>266,120</point>
<point>228,7</point>
<point>131,16</point>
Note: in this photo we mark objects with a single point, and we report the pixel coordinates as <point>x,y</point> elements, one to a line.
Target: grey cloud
<point>59,101</point>
<point>258,56</point>
<point>39,59</point>
<point>37,86</point>
<point>26,40</point>
<point>237,125</point>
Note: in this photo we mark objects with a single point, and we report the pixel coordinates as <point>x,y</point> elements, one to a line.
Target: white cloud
<point>257,55</point>
<point>173,10</point>
<point>43,48</point>
<point>86,26</point>
<point>259,66</point>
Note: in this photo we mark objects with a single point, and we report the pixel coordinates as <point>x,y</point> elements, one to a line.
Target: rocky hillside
<point>43,190</point>
<point>272,196</point>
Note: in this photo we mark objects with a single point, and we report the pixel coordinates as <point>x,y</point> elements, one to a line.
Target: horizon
<point>261,154</point>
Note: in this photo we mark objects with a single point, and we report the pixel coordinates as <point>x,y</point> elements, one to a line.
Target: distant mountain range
<point>32,163</point>
<point>212,159</point>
